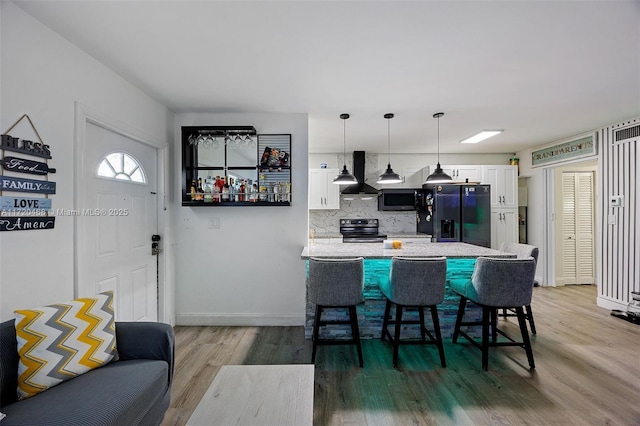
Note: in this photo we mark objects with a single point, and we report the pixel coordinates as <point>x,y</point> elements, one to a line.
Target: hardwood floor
<point>587,371</point>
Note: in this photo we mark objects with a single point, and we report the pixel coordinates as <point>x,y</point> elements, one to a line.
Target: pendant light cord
<point>344,141</point>
<point>388,141</point>
<point>438,140</point>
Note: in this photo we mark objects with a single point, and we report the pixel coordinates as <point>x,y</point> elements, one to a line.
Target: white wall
<point>43,76</point>
<point>249,270</point>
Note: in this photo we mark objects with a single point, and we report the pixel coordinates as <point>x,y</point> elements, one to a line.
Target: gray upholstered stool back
<point>502,282</point>
<point>336,282</point>
<point>522,251</point>
<point>416,281</point>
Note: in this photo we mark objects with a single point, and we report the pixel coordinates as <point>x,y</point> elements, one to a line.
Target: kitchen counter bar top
<point>319,248</point>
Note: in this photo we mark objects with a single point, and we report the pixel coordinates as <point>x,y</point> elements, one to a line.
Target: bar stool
<point>522,251</point>
<point>496,283</point>
<point>414,283</point>
<point>336,283</point>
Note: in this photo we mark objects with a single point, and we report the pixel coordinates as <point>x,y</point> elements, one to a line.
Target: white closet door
<point>569,249</point>
<point>578,228</point>
<point>585,258</point>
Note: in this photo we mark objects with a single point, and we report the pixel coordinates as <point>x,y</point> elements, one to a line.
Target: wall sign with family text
<point>20,210</point>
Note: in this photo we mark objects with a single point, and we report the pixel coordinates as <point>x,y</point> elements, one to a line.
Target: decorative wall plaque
<point>577,148</point>
<point>20,213</point>
<point>22,165</point>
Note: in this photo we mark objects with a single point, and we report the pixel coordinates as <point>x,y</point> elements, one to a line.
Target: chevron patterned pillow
<point>59,342</point>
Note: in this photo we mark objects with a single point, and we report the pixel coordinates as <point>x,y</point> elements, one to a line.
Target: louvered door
<point>577,228</point>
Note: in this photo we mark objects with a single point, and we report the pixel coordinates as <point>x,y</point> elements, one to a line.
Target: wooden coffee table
<point>258,395</point>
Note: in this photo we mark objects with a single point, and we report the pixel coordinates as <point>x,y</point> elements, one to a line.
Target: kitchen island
<point>332,249</point>
<point>461,258</point>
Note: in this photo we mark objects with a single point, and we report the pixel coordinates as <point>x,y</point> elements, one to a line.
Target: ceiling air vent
<point>628,133</point>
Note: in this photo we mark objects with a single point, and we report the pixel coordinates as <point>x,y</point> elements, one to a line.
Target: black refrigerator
<point>456,212</point>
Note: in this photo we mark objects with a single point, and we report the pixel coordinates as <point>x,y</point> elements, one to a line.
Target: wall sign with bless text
<point>25,213</point>
<point>577,148</point>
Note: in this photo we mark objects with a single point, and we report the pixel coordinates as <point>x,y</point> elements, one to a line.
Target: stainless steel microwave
<point>399,199</point>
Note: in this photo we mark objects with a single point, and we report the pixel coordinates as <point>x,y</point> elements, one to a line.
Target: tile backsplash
<point>328,221</point>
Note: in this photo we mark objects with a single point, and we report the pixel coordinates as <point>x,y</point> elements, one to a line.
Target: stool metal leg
<point>422,328</point>
<point>385,320</point>
<point>486,314</point>
<point>526,342</point>
<point>456,329</point>
<point>494,325</point>
<point>316,330</point>
<point>436,325</point>
<point>532,324</point>
<point>396,337</point>
<point>355,332</point>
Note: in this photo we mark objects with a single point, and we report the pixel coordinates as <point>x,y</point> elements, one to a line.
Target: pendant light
<point>345,178</point>
<point>389,176</point>
<point>438,175</point>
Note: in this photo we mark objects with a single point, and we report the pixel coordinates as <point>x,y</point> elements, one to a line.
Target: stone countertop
<point>390,235</point>
<point>320,248</point>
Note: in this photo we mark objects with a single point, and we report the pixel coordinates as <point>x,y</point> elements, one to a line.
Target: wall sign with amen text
<point>25,213</point>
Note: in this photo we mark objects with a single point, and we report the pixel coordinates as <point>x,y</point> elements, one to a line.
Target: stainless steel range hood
<point>358,172</point>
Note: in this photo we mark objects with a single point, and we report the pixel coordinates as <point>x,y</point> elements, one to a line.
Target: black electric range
<point>361,231</point>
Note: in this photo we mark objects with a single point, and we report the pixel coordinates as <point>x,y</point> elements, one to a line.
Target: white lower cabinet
<point>323,194</point>
<point>504,227</point>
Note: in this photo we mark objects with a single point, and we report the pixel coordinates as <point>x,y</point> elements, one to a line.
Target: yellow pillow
<point>59,342</point>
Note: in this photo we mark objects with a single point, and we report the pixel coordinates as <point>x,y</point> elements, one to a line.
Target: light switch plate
<point>616,201</point>
<point>214,223</point>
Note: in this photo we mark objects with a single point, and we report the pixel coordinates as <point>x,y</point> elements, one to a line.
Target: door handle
<point>155,247</point>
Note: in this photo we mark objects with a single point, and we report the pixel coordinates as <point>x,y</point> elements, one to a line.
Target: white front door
<point>117,217</point>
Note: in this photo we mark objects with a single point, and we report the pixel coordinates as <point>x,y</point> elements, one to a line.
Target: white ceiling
<point>542,71</point>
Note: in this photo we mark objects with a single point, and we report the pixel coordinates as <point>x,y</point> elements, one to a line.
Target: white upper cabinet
<point>323,194</point>
<point>468,173</point>
<point>412,176</point>
<point>504,185</point>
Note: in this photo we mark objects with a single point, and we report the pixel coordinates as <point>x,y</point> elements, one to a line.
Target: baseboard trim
<point>610,304</point>
<point>240,319</point>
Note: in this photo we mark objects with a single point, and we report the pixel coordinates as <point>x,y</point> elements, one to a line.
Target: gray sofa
<point>135,390</point>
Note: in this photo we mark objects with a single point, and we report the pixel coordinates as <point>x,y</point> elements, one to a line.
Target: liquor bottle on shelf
<point>232,189</point>
<point>219,183</point>
<point>207,186</point>
<point>216,194</point>
<point>199,187</point>
<point>192,190</point>
<point>242,195</point>
<point>225,190</point>
<point>253,197</point>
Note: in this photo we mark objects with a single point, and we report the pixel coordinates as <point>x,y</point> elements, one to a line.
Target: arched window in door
<point>121,166</point>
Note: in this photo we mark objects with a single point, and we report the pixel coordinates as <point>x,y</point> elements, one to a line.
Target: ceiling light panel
<point>485,134</point>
